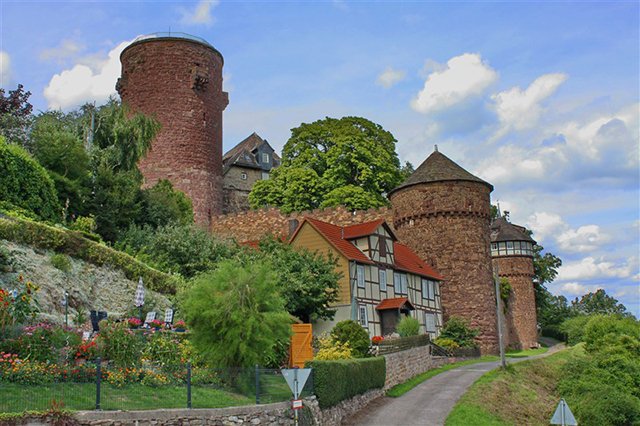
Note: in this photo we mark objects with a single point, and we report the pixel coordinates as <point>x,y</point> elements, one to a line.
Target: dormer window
<point>265,157</point>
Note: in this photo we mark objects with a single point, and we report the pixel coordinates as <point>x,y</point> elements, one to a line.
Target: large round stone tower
<point>177,78</point>
<point>512,252</point>
<point>443,213</point>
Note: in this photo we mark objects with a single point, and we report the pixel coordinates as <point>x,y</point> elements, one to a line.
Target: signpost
<point>563,415</point>
<point>296,379</point>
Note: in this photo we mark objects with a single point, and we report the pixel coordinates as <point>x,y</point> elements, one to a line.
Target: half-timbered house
<point>382,279</point>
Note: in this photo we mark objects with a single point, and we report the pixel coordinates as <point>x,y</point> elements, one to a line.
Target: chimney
<point>293,225</point>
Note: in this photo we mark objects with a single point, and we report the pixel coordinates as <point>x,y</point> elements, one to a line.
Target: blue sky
<point>539,98</point>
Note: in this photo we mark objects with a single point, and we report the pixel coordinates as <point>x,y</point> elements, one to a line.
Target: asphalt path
<point>430,402</point>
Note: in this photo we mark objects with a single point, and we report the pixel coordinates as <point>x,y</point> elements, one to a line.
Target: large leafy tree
<point>15,115</point>
<point>307,281</point>
<point>350,161</point>
<point>236,315</point>
<point>598,302</point>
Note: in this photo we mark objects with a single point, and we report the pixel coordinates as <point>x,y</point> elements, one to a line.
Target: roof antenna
<point>435,147</point>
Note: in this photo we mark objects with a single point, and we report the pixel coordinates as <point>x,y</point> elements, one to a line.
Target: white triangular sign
<point>290,376</point>
<point>563,415</point>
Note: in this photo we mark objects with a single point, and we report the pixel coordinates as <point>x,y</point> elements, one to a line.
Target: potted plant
<point>134,322</point>
<point>156,323</point>
<point>180,326</point>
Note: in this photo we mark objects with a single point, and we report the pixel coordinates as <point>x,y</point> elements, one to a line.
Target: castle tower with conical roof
<point>443,213</point>
<point>512,253</point>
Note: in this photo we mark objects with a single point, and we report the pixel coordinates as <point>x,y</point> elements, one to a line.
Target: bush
<point>163,205</point>
<point>458,330</point>
<point>6,262</point>
<point>61,262</point>
<point>335,381</point>
<point>85,224</point>
<point>332,350</point>
<point>408,326</point>
<point>349,331</point>
<point>446,343</point>
<point>74,244</point>
<point>119,345</point>
<point>26,184</point>
<point>574,328</point>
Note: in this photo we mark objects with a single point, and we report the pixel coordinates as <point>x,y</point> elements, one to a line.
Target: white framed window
<point>396,282</point>
<point>403,283</point>
<point>362,316</point>
<point>265,175</point>
<point>243,176</point>
<point>430,322</point>
<point>265,157</point>
<point>382,277</point>
<point>400,283</point>
<point>360,275</point>
<point>425,288</point>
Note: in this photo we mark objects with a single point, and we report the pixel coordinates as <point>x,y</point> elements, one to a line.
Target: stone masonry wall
<point>254,224</point>
<point>521,320</point>
<point>447,224</point>
<point>179,82</point>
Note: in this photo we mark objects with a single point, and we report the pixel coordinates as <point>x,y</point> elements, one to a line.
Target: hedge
<point>25,183</point>
<point>75,244</point>
<point>335,381</point>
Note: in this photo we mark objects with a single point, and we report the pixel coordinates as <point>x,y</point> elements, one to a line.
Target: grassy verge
<point>402,388</point>
<point>527,352</point>
<point>524,393</point>
<point>16,398</point>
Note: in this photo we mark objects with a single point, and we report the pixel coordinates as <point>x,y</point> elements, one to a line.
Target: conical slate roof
<point>437,168</point>
<point>502,230</point>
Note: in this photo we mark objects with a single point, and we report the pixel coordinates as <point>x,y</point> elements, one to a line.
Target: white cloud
<point>67,49</point>
<point>81,84</point>
<point>591,268</point>
<point>5,69</point>
<point>584,239</point>
<point>544,224</point>
<point>201,15</point>
<point>390,77</point>
<point>519,109</point>
<point>465,76</point>
<point>576,289</point>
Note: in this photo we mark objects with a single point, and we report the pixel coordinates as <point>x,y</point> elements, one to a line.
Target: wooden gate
<point>300,350</point>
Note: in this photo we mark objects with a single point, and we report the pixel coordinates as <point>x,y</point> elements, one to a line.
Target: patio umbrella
<point>139,302</point>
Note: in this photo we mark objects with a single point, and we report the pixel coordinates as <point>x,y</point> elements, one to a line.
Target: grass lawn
<point>527,352</point>
<point>524,393</point>
<point>402,388</point>
<point>82,396</point>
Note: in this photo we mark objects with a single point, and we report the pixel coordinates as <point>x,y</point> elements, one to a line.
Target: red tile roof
<point>362,229</point>
<point>334,235</point>
<point>396,303</point>
<point>408,261</point>
<point>405,259</point>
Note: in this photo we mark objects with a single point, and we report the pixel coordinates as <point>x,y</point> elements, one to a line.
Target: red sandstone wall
<point>447,224</point>
<point>253,224</point>
<point>521,320</point>
<point>158,79</point>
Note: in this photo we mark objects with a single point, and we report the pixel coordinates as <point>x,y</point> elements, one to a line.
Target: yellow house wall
<point>307,237</point>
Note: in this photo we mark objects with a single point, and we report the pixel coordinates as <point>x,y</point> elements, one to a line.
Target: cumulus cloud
<point>201,14</point>
<point>465,76</point>
<point>591,268</point>
<point>5,69</point>
<point>67,49</point>
<point>519,109</point>
<point>586,238</point>
<point>576,289</point>
<point>544,224</point>
<point>82,83</point>
<point>390,77</point>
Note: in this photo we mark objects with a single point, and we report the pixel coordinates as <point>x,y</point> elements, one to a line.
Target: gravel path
<point>430,402</point>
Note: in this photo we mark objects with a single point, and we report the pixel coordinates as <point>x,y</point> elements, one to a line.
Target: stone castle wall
<point>447,224</point>
<point>254,224</point>
<point>179,82</point>
<point>521,320</point>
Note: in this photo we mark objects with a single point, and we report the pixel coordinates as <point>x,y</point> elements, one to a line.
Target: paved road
<point>430,402</point>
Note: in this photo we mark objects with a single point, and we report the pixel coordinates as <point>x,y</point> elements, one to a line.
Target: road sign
<point>296,404</point>
<point>296,378</point>
<point>563,415</point>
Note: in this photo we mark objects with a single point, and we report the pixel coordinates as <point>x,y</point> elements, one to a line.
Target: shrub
<point>235,314</point>
<point>446,343</point>
<point>85,224</point>
<point>335,381</point>
<point>408,326</point>
<point>163,205</point>
<point>6,262</point>
<point>119,345</point>
<point>458,330</point>
<point>26,184</point>
<point>61,262</point>
<point>601,328</point>
<point>332,350</point>
<point>349,331</point>
<point>574,328</point>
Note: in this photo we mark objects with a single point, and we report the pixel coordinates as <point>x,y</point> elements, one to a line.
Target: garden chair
<point>168,317</point>
<point>150,317</point>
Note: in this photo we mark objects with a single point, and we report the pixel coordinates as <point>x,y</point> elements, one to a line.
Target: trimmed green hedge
<point>75,244</point>
<point>335,381</point>
<point>25,183</point>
